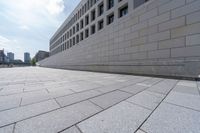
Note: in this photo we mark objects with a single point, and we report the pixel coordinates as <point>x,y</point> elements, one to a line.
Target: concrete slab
<point>77,97</point>
<point>173,119</point>
<point>122,118</point>
<point>184,99</point>
<point>186,90</point>
<point>72,130</point>
<point>57,120</point>
<point>134,89</point>
<point>109,99</point>
<point>9,102</point>
<point>147,99</point>
<point>7,129</point>
<point>163,87</point>
<point>18,114</point>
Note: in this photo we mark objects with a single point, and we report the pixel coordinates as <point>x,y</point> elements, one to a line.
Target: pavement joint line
<point>198,87</point>
<point>57,103</point>
<point>54,109</point>
<point>47,90</point>
<point>142,130</point>
<point>156,107</point>
<point>95,104</point>
<point>138,105</point>
<point>78,128</point>
<point>124,100</point>
<point>20,102</point>
<point>13,131</point>
<point>181,106</point>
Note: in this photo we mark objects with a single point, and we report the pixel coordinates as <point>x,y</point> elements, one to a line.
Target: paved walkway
<point>42,100</point>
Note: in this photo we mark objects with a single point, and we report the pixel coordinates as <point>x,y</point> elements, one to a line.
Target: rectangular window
<point>70,43</point>
<point>86,33</point>
<point>67,44</point>
<point>110,4</point>
<point>93,29</point>
<point>93,15</point>
<point>86,20</point>
<point>81,36</point>
<point>100,25</point>
<point>101,9</point>
<point>77,38</point>
<point>110,18</point>
<point>70,32</point>
<point>81,24</point>
<point>73,30</point>
<point>137,3</point>
<point>73,40</point>
<point>77,27</point>
<point>123,11</point>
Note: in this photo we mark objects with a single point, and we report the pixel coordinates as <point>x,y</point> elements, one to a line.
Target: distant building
<point>41,55</point>
<point>2,57</point>
<point>27,58</point>
<point>11,56</point>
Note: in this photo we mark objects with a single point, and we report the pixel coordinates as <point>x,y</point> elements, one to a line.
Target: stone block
<point>193,40</point>
<point>169,118</point>
<point>57,120</point>
<point>122,118</point>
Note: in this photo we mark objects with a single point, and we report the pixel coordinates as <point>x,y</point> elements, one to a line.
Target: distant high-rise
<point>27,57</point>
<point>11,56</point>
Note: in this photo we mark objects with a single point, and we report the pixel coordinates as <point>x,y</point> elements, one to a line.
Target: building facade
<point>11,56</point>
<point>27,58</point>
<point>2,57</point>
<point>41,55</point>
<point>151,37</point>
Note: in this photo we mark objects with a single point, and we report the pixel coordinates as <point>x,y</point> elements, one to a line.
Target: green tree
<point>33,62</point>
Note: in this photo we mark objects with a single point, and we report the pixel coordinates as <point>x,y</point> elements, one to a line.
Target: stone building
<point>151,37</point>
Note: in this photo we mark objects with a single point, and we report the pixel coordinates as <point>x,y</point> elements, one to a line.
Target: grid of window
<point>70,35</point>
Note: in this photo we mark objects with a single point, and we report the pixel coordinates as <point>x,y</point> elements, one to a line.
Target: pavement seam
<point>155,108</point>
<point>124,100</point>
<point>181,106</point>
<point>78,128</point>
<point>13,131</point>
<point>138,105</point>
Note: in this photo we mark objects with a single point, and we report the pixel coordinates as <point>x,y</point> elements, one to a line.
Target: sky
<point>28,25</point>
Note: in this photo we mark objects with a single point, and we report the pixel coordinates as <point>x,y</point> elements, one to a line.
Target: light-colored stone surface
<point>122,118</point>
<point>173,119</point>
<point>24,112</point>
<point>7,129</point>
<point>52,100</point>
<point>72,130</point>
<point>57,120</point>
<point>110,99</point>
<point>147,99</point>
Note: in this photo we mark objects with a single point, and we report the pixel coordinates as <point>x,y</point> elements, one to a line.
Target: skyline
<point>27,26</point>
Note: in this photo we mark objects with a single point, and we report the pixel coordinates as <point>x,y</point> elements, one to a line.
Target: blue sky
<point>27,25</point>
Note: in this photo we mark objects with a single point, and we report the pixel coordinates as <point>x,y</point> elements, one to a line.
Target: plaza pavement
<point>43,100</point>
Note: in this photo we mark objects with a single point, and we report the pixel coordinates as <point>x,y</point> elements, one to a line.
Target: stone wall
<point>161,37</point>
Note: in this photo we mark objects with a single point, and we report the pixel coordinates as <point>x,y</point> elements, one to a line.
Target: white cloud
<point>24,27</point>
<point>55,7</point>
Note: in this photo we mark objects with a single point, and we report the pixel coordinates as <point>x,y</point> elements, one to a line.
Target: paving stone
<point>168,118</point>
<point>122,118</point>
<point>140,131</point>
<point>150,82</point>
<point>44,96</point>
<point>187,83</point>
<point>72,130</point>
<point>7,91</point>
<point>186,89</point>
<point>17,114</point>
<point>184,99</point>
<point>109,99</point>
<point>8,103</point>
<point>163,87</point>
<point>77,97</point>
<point>57,120</point>
<point>134,89</point>
<point>7,129</point>
<point>147,99</point>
